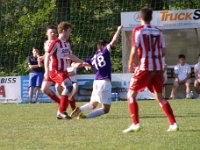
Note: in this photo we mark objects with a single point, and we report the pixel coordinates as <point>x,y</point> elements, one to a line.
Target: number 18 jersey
<point>101,63</point>
<point>150,41</point>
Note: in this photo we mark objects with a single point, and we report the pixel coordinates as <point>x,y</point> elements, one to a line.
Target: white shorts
<point>101,92</point>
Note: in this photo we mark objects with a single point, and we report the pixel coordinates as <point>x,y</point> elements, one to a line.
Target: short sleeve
<point>176,69</point>
<point>162,40</point>
<point>29,60</point>
<point>109,48</point>
<point>135,38</point>
<point>53,47</point>
<point>196,67</point>
<point>188,69</point>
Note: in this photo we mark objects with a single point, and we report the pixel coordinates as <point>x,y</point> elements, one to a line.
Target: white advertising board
<point>165,19</point>
<point>10,89</point>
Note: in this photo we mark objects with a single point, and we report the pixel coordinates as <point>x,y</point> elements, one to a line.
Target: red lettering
<point>2,91</point>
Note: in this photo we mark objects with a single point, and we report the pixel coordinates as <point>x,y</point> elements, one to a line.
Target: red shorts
<point>153,80</point>
<point>58,76</point>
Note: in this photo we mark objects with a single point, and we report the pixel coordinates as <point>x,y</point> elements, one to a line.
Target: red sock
<point>63,103</point>
<point>54,97</point>
<point>133,108</point>
<point>168,111</point>
<point>72,103</point>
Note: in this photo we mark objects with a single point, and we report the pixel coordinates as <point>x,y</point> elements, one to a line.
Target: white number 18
<point>99,62</point>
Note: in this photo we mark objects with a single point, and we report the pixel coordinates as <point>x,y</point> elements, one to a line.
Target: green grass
<point>35,127</point>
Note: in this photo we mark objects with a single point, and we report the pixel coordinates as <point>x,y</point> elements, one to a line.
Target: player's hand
<point>46,75</point>
<point>119,28</point>
<point>86,65</point>
<point>132,68</point>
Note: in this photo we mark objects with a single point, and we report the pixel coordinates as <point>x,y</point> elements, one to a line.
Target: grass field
<point>35,127</point>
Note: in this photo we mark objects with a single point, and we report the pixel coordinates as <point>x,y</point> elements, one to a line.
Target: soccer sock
<point>133,108</point>
<point>63,103</point>
<point>85,107</point>
<point>168,111</point>
<point>72,103</point>
<point>54,97</point>
<point>95,113</point>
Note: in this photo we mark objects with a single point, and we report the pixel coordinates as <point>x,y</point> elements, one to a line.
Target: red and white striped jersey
<point>149,40</point>
<point>59,51</point>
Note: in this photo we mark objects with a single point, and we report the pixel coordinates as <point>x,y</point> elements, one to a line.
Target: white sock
<point>85,107</point>
<point>95,113</point>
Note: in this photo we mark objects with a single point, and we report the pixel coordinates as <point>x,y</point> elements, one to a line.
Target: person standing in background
<point>36,74</point>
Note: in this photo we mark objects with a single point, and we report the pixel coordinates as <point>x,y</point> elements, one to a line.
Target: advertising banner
<point>165,19</point>
<point>10,89</point>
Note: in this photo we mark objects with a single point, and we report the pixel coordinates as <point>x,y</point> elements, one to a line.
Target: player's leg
<point>72,101</point>
<point>187,84</point>
<point>89,106</point>
<point>174,89</point>
<point>139,81</point>
<point>157,87</point>
<point>197,87</point>
<point>46,84</point>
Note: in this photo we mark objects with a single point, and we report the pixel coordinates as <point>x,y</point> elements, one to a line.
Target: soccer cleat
<point>173,128</point>
<point>81,116</point>
<point>133,128</point>
<point>75,113</point>
<point>63,116</point>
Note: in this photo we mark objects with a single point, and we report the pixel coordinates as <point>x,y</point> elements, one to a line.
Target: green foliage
<point>31,127</point>
<point>23,23</point>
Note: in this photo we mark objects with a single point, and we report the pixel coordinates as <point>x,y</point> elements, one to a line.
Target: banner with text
<point>10,89</point>
<point>166,19</point>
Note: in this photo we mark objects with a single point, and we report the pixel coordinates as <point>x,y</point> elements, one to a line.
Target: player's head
<point>181,59</point>
<point>35,51</point>
<point>65,29</point>
<point>146,15</point>
<point>51,32</point>
<point>101,44</point>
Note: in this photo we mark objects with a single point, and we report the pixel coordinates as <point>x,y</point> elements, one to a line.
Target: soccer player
<point>101,93</point>
<point>56,65</point>
<point>148,42</point>
<point>197,77</point>
<point>182,72</point>
<point>47,82</point>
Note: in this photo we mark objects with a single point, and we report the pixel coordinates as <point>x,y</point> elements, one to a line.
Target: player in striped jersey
<point>56,63</point>
<point>148,42</point>
<point>47,83</point>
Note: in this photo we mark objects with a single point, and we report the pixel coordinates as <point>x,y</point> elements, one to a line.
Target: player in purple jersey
<point>101,64</point>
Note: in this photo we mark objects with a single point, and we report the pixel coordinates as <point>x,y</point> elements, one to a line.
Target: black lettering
<point>196,14</point>
<point>9,80</point>
<point>14,80</point>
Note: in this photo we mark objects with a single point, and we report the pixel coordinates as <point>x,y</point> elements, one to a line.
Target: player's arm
<point>132,57</point>
<point>176,73</point>
<point>77,60</point>
<point>46,65</point>
<point>116,36</point>
<point>188,73</point>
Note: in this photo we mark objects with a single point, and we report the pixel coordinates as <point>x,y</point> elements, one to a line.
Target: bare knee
<point>131,93</point>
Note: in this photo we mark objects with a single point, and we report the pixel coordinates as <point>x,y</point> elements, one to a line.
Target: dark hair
<point>146,14</point>
<point>199,55</point>
<point>101,43</point>
<point>63,26</point>
<point>181,56</point>
<point>35,48</point>
<point>51,27</point>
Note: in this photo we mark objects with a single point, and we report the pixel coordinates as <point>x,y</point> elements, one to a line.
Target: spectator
<point>36,74</point>
<point>182,73</point>
<point>197,77</point>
